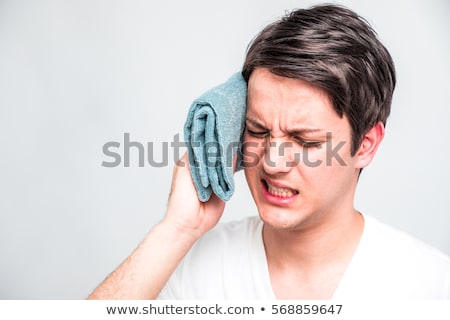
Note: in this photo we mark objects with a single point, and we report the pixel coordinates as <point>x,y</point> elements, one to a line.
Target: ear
<point>369,145</point>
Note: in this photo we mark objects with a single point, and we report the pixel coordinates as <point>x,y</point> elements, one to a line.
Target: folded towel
<point>213,132</point>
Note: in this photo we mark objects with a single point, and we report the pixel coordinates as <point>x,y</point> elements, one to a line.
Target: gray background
<point>77,74</point>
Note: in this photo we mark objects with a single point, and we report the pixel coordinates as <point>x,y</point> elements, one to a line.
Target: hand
<point>184,210</point>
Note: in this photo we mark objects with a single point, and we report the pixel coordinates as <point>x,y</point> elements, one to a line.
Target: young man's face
<point>297,153</point>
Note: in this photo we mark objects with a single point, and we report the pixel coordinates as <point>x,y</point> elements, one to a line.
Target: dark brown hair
<point>335,49</point>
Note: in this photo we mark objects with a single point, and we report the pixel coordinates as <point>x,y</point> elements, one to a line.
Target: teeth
<point>280,192</point>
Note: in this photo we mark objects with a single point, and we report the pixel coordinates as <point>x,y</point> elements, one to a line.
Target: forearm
<point>145,272</point>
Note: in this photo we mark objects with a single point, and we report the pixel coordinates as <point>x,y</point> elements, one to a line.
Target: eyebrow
<point>295,131</point>
<point>255,123</point>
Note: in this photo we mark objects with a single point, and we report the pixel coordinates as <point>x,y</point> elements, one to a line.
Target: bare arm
<point>145,272</point>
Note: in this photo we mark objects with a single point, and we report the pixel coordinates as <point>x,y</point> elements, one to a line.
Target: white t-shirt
<point>229,262</point>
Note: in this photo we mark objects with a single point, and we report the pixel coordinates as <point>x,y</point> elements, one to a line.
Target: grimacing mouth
<point>281,192</point>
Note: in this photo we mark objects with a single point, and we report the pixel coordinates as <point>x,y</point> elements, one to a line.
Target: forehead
<point>272,97</point>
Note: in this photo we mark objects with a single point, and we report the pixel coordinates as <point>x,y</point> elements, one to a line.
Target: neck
<point>328,242</point>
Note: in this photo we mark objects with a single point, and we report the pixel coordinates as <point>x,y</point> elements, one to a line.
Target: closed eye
<point>257,134</point>
<point>308,143</point>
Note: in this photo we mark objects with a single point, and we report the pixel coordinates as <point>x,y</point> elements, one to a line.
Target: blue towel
<point>213,132</point>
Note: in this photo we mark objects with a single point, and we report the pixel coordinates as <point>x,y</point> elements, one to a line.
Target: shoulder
<point>403,262</point>
<point>389,239</point>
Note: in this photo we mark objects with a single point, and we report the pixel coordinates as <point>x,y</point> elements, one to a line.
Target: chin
<point>279,218</point>
<point>288,219</point>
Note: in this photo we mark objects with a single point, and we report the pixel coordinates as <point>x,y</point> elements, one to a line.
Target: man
<point>320,86</point>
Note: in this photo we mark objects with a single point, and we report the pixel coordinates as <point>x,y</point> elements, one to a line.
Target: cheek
<point>311,157</point>
<point>335,170</point>
<point>252,178</point>
<point>252,151</point>
<point>338,155</point>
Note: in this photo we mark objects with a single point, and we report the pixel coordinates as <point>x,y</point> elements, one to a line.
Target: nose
<point>278,156</point>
